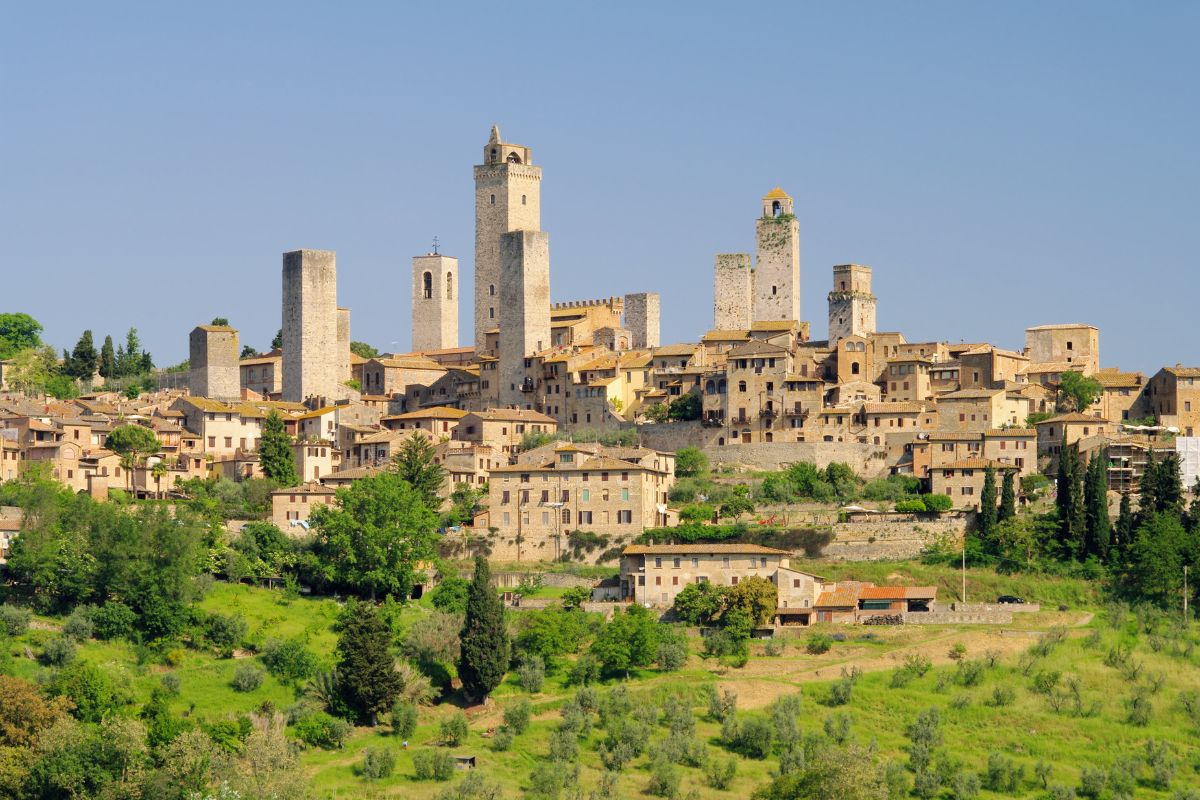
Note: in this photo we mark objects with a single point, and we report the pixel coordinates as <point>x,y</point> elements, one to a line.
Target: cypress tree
<point>366,669</point>
<point>275,452</point>
<point>485,645</point>
<point>1148,489</point>
<point>108,359</point>
<point>987,507</point>
<point>1069,500</point>
<point>1008,496</point>
<point>81,363</point>
<point>1098,526</point>
<point>1126,525</point>
<point>1170,486</point>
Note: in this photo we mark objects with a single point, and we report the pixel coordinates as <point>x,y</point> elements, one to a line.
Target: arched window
<point>776,209</point>
<point>849,347</point>
<point>449,285</point>
<point>843,282</point>
<point>722,387</point>
<point>491,289</point>
<point>710,387</point>
<point>427,282</point>
<point>513,158</point>
<point>854,368</point>
<point>522,199</point>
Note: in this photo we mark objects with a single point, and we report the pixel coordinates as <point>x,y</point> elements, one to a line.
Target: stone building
<point>733,292</point>
<point>851,303</point>
<point>1173,396</point>
<point>434,302</point>
<point>507,198</point>
<point>524,312</point>
<point>1075,345</point>
<point>294,505</point>
<point>777,260</point>
<point>213,354</point>
<point>642,311</point>
<point>262,374</point>
<point>962,481</point>
<point>312,358</point>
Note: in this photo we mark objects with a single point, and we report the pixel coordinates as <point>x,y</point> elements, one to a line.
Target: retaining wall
<point>890,540</point>
<point>958,618</point>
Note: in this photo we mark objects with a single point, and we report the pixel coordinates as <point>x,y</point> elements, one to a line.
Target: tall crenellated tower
<point>507,198</point>
<point>312,358</point>
<point>777,268</point>
<point>434,302</point>
<point>851,304</point>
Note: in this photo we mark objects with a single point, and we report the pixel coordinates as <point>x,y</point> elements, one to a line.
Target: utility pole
<point>1185,594</point>
<point>964,569</point>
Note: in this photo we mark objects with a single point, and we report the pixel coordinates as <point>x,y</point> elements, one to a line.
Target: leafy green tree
<point>373,538</point>
<point>987,507</point>
<point>33,369</point>
<point>220,322</point>
<point>847,773</point>
<point>756,596</point>
<point>1159,552</point>
<point>18,332</point>
<point>81,362</point>
<point>1008,496</point>
<point>737,503</point>
<point>366,668</point>
<point>414,464</point>
<point>658,412</point>
<point>248,352</point>
<point>133,443</point>
<point>363,350</point>
<point>629,640</point>
<point>277,342</point>
<point>275,452</point>
<point>130,357</point>
<point>1098,528</point>
<point>485,643</point>
<point>1078,391</point>
<point>700,603</point>
<point>690,462</point>
<point>685,407</point>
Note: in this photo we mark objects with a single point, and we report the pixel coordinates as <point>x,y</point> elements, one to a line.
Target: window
<point>658,563</point>
<point>658,580</point>
<point>795,583</point>
<point>427,283</point>
<point>733,581</point>
<point>585,518</point>
<point>675,562</point>
<point>585,495</point>
<point>625,495</point>
<point>566,515</point>
<point>695,563</point>
<point>505,498</point>
<point>725,562</point>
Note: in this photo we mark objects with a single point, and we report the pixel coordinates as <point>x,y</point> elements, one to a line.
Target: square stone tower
<point>312,358</point>
<point>343,349</point>
<point>507,198</point>
<point>524,312</point>
<point>851,304</point>
<point>1070,343</point>
<point>642,319</point>
<point>213,354</point>
<point>434,302</point>
<point>777,268</point>
<point>733,292</point>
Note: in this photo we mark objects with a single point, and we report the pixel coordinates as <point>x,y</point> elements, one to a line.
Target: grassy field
<point>977,719</point>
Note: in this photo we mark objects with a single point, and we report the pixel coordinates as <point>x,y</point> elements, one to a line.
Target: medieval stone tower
<point>524,312</point>
<point>213,354</point>
<point>434,302</point>
<point>733,292</point>
<point>312,352</point>
<point>851,304</point>
<point>642,312</point>
<point>777,267</point>
<point>507,198</point>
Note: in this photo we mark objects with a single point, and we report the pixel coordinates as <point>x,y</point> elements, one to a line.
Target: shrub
<point>378,763</point>
<point>437,765</point>
<point>246,678</point>
<point>585,670</point>
<point>516,716</point>
<point>113,620</point>
<point>753,738</point>
<point>937,503</point>
<point>958,651</point>
<point>532,673</point>
<point>289,660</point>
<point>721,704</point>
<point>450,595</point>
<point>719,773</point>
<point>454,729</point>
<point>549,778</point>
<point>840,692</point>
<point>170,683</point>
<point>404,719</point>
<point>1046,681</point>
<point>1002,696</point>
<point>503,739</point>
<point>79,625</point>
<point>672,650</point>
<point>58,651</point>
<point>664,779</point>
<point>225,632</point>
<point>914,506</point>
<point>818,643</point>
<point>322,730</point>
<point>14,619</point>
<point>1138,708</point>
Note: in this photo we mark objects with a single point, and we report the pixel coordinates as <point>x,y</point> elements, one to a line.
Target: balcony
<point>768,413</point>
<point>529,385</point>
<point>713,420</point>
<point>795,411</point>
<point>740,419</point>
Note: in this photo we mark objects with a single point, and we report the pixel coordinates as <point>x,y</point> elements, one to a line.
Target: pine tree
<point>275,452</point>
<point>485,645</point>
<point>415,464</point>
<point>1008,496</point>
<point>1098,526</point>
<point>277,342</point>
<point>81,363</point>
<point>108,359</point>
<point>987,507</point>
<point>130,360</point>
<point>366,669</point>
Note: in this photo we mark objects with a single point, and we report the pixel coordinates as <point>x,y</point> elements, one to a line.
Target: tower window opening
<point>843,282</point>
<point>513,158</point>
<point>492,289</point>
<point>774,290</point>
<point>854,368</point>
<point>776,209</point>
<point>491,313</point>
<point>449,285</point>
<point>522,199</point>
<point>493,199</point>
<point>427,280</point>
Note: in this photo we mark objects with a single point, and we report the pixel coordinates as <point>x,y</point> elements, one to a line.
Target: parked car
<point>1009,598</point>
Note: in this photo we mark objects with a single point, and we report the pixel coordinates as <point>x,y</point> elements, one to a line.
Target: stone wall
<point>733,292</point>
<point>958,618</point>
<point>1007,608</point>
<point>434,318</point>
<point>507,198</point>
<point>890,540</point>
<point>213,352</point>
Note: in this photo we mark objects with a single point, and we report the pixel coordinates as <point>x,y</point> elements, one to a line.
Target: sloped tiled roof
<point>701,549</point>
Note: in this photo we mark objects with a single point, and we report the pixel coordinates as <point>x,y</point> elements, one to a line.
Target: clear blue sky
<point>1000,165</point>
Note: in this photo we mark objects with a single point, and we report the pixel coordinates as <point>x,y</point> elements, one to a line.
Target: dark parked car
<point>1009,598</point>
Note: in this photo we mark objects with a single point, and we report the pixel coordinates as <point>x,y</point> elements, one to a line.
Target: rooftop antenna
<point>435,245</point>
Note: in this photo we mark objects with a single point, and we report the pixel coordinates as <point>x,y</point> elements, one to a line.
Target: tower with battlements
<point>851,304</point>
<point>507,198</point>
<point>777,262</point>
<point>434,302</point>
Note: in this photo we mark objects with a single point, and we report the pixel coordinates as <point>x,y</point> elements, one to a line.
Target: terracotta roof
<point>883,593</point>
<point>726,336</point>
<point>1075,416</point>
<point>774,325</point>
<point>320,412</point>
<point>676,350</point>
<point>756,347</point>
<point>1114,379</point>
<point>256,360</point>
<point>416,362</point>
<point>434,412</point>
<point>1183,372</point>
<point>308,488</point>
<point>894,408</point>
<point>1001,433</point>
<point>701,549</point>
<point>513,415</point>
<point>777,194</point>
<point>975,463</point>
<point>1039,367</point>
<point>971,394</point>
<point>353,474</point>
<point>842,597</point>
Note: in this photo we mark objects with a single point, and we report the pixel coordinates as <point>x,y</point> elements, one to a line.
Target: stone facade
<point>343,349</point>
<point>1074,345</point>
<point>507,198</point>
<point>213,355</point>
<point>311,358</point>
<point>777,264</point>
<point>434,302</point>
<point>851,304</point>
<point>524,309</point>
<point>733,292</point>
<point>642,313</point>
